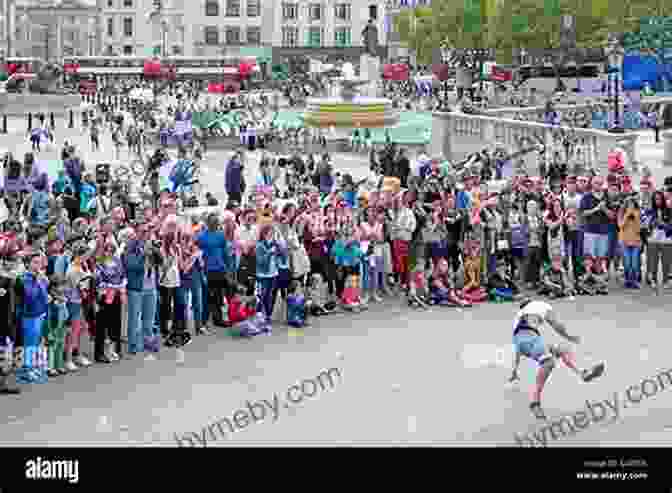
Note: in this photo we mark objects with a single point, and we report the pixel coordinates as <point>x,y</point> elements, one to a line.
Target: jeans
<point>203,285</point>
<point>631,259</point>
<point>181,305</point>
<point>265,287</point>
<point>141,313</point>
<point>196,291</point>
<point>595,245</point>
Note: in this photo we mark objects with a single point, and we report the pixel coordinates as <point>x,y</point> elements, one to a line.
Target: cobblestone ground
<point>405,377</point>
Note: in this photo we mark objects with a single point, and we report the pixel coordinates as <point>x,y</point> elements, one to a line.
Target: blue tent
<point>637,70</point>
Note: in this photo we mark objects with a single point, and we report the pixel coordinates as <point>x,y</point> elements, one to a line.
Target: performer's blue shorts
<point>531,345</point>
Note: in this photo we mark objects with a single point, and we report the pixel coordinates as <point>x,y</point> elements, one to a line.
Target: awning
<point>111,70</point>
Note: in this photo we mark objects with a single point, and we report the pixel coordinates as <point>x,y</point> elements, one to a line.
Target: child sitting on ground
<point>298,308</point>
<point>501,284</point>
<point>241,306</point>
<point>318,296</point>
<point>442,289</point>
<point>594,280</point>
<point>555,282</point>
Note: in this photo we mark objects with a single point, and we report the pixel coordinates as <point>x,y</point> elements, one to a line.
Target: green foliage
<point>530,24</point>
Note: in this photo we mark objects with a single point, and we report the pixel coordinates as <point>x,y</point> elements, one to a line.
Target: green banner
<point>473,20</point>
<point>552,8</point>
<point>519,24</point>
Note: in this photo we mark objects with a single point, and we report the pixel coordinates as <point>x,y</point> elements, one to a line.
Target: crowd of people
<point>80,262</point>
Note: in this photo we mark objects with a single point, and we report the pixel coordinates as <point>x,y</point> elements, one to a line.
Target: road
<point>401,378</point>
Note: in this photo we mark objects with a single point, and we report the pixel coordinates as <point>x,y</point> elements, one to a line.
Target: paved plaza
<point>403,377</point>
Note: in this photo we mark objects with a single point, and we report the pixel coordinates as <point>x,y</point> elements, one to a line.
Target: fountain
<point>350,109</point>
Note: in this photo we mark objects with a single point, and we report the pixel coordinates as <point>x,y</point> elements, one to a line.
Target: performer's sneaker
<point>593,373</point>
<point>535,407</point>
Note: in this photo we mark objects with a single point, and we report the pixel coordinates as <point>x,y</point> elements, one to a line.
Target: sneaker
<point>62,371</point>
<point>114,356</point>
<point>82,360</point>
<point>52,372</point>
<point>184,340</point>
<point>150,357</point>
<point>365,299</point>
<point>592,373</point>
<point>70,366</point>
<point>377,298</point>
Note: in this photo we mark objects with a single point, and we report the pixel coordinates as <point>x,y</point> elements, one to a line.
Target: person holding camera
<point>629,228</point>
<point>593,207</point>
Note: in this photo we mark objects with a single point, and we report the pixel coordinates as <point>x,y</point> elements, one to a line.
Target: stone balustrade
<point>667,142</point>
<point>536,113</point>
<point>455,135</point>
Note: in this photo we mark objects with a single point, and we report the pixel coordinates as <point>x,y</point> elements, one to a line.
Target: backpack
<point>14,171</point>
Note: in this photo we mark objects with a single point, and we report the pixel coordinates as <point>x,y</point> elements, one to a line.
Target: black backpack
<point>14,171</point>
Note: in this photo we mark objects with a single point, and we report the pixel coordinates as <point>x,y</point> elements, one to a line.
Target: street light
<point>615,55</point>
<point>92,35</point>
<point>445,56</point>
<point>164,37</point>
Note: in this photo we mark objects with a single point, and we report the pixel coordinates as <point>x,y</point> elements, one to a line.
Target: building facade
<point>326,29</point>
<point>229,27</point>
<point>129,29</point>
<point>48,29</point>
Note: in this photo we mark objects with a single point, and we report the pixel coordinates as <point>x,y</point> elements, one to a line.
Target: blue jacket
<point>39,213</point>
<point>73,169</point>
<point>35,296</point>
<point>267,260</point>
<point>233,176</point>
<point>217,251</point>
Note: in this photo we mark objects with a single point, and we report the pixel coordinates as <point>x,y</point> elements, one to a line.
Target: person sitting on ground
<point>555,282</point>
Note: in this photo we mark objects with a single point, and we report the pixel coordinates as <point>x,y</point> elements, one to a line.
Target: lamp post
<point>615,57</point>
<point>164,37</point>
<point>445,56</point>
<point>92,35</point>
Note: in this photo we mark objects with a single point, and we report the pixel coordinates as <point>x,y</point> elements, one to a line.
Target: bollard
<point>52,120</point>
<point>4,124</point>
<point>71,123</point>
<point>30,122</point>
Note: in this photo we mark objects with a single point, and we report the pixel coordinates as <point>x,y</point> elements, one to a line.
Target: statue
<point>370,39</point>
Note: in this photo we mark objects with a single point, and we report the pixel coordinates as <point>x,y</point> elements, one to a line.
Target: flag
<point>519,24</point>
<point>472,16</point>
<point>551,8</point>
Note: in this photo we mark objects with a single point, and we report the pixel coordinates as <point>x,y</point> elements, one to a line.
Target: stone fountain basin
<point>361,111</point>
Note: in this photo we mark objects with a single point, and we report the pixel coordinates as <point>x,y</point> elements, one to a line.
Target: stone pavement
<point>419,389</point>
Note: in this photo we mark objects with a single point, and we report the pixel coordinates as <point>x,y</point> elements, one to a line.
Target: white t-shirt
<point>538,308</point>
